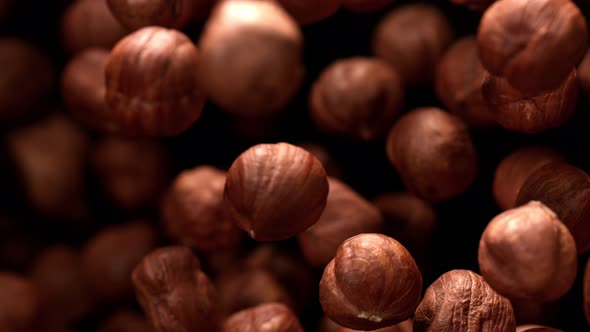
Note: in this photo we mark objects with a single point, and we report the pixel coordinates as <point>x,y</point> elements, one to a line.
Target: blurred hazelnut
<point>373,282</point>
<point>251,63</point>
<point>89,23</point>
<point>346,214</point>
<point>358,98</point>
<point>534,45</point>
<point>527,253</point>
<point>269,317</point>
<point>366,6</point>
<point>531,113</point>
<point>461,300</point>
<point>193,213</point>
<point>19,303</point>
<point>132,172</point>
<point>215,263</point>
<point>275,191</point>
<point>458,79</point>
<point>111,255</point>
<point>433,153</point>
<point>474,4</point>
<point>125,321</point>
<point>152,86</point>
<point>514,169</point>
<point>310,11</point>
<point>174,293</point>
<point>331,165</point>
<point>584,75</point>
<point>586,287</point>
<point>536,328</point>
<point>412,38</point>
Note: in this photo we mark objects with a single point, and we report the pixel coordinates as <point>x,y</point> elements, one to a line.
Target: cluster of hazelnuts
<point>280,241</point>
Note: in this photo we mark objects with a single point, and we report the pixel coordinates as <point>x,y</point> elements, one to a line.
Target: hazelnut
<point>132,172</point>
<point>174,293</point>
<point>366,6</point>
<point>584,74</point>
<point>373,282</point>
<point>564,189</point>
<point>405,326</point>
<point>531,113</point>
<point>458,79</point>
<point>310,11</point>
<point>514,169</point>
<point>412,38</point>
<point>346,214</point>
<point>534,45</point>
<point>193,213</point>
<point>111,255</point>
<point>151,83</point>
<point>461,300</point>
<point>586,287</point>
<point>125,321</point>
<point>19,303</point>
<point>89,23</point>
<point>269,317</point>
<point>527,253</point>
<point>433,153</point>
<point>358,98</point>
<point>474,4</point>
<point>275,191</point>
<point>331,164</point>
<point>251,63</point>
<point>535,328</point>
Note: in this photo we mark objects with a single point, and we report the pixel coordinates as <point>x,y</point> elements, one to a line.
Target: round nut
<point>269,317</point>
<point>167,13</point>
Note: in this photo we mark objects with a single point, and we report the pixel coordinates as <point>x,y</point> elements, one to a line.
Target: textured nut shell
<point>565,189</point>
<point>413,38</point>
<point>532,44</point>
<point>152,83</point>
<point>346,214</point>
<point>366,6</point>
<point>373,282</point>
<point>270,317</point>
<point>527,253</point>
<point>458,80</point>
<point>433,153</point>
<point>167,13</point>
<point>193,213</point>
<point>461,300</point>
<point>175,295</point>
<point>125,321</point>
<point>357,97</point>
<point>275,191</point>
<point>19,303</point>
<point>310,11</point>
<point>531,113</point>
<point>251,57</point>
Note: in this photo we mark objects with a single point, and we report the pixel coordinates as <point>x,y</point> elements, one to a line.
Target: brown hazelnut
<point>89,23</point>
<point>19,62</point>
<point>275,191</point>
<point>125,321</point>
<point>269,317</point>
<point>531,113</point>
<point>433,153</point>
<point>534,45</point>
<point>584,74</point>
<point>193,213</point>
<point>357,97</point>
<point>535,328</point>
<point>152,84</point>
<point>458,79</point>
<point>251,63</point>
<point>373,282</point>
<point>461,300</point>
<point>174,293</point>
<point>310,11</point>
<point>346,214</point>
<point>586,287</point>
<point>366,6</point>
<point>50,156</point>
<point>413,38</point>
<point>565,189</point>
<point>132,172</point>
<point>111,255</point>
<point>19,303</point>
<point>474,4</point>
<point>527,253</point>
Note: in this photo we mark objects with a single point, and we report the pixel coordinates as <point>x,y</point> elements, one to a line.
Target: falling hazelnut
<point>531,113</point>
<point>275,191</point>
<point>461,300</point>
<point>251,57</point>
<point>586,290</point>
<point>310,11</point>
<point>152,84</point>
<point>412,38</point>
<point>373,282</point>
<point>269,317</point>
<point>357,97</point>
<point>527,253</point>
<point>174,293</point>
<point>125,321</point>
<point>346,214</point>
<point>433,153</point>
<point>534,45</point>
<point>193,213</point>
<point>366,6</point>
<point>19,303</point>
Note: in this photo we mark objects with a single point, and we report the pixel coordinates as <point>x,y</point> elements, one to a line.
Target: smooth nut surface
<point>461,300</point>
<point>167,13</point>
<point>275,191</point>
<point>373,282</point>
<point>527,253</point>
<point>269,317</point>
